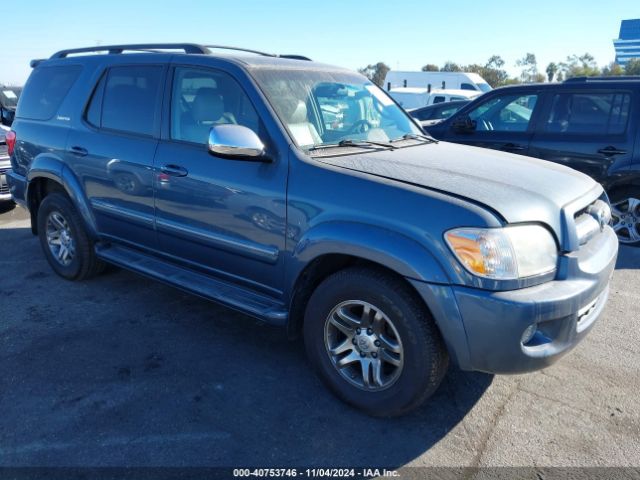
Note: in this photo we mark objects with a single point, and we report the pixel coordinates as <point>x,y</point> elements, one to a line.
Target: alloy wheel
<point>363,345</point>
<point>626,220</point>
<point>60,239</point>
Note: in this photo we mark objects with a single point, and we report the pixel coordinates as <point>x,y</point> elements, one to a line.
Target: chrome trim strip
<point>120,212</point>
<point>249,249</point>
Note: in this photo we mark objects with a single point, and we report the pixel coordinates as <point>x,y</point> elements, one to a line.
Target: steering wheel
<point>487,125</point>
<point>361,126</point>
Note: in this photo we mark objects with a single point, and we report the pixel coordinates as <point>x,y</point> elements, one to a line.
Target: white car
<point>443,80</point>
<point>411,97</point>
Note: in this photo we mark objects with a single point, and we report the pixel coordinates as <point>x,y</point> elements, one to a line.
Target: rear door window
<point>45,90</point>
<point>130,100</point>
<point>589,113</point>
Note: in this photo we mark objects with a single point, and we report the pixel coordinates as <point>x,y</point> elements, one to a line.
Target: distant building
<point>628,44</point>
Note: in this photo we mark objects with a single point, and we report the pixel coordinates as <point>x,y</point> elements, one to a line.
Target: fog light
<point>528,334</point>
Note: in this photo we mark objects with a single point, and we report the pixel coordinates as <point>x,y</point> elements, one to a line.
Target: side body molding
<point>52,168</point>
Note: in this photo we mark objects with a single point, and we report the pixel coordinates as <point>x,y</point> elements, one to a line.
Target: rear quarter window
<point>45,90</point>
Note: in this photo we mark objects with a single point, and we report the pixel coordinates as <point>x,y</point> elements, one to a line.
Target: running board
<point>242,299</point>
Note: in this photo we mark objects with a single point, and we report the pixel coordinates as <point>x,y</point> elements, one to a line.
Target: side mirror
<point>236,142</point>
<point>463,124</point>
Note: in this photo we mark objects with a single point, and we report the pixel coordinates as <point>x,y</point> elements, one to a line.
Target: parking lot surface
<point>121,370</point>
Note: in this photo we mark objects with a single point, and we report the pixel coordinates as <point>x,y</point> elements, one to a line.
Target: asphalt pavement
<point>123,371</point>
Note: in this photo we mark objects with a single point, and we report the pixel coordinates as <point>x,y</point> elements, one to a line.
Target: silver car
<point>5,165</point>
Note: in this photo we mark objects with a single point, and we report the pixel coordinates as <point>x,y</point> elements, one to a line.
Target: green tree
<point>529,66</point>
<point>493,72</point>
<point>376,72</point>
<point>430,67</point>
<point>632,67</point>
<point>579,66</point>
<point>451,67</point>
<point>613,69</point>
<point>551,70</point>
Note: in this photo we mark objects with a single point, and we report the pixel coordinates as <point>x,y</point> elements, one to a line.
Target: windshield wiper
<point>353,143</point>
<point>416,136</point>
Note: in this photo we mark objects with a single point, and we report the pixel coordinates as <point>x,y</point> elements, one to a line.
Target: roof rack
<point>188,48</point>
<point>257,52</point>
<point>612,78</point>
<point>142,47</point>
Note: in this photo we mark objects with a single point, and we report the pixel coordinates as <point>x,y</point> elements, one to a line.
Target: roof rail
<point>257,52</point>
<point>295,57</point>
<point>143,47</point>
<point>189,48</point>
<point>240,49</point>
<point>611,78</point>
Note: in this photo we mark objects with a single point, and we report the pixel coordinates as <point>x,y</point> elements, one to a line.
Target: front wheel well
<point>39,188</point>
<point>316,272</point>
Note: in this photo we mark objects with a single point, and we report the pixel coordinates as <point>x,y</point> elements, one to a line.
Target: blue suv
<point>303,195</point>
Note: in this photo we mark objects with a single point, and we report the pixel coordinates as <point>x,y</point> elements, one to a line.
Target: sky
<point>350,33</point>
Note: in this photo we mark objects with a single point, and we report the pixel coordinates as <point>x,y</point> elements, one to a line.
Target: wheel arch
<point>49,174</point>
<point>334,247</point>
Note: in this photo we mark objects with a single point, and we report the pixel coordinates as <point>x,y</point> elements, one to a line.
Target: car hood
<point>519,188</point>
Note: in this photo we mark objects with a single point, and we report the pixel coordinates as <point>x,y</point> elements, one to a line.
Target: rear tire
<point>625,209</point>
<point>64,240</point>
<point>385,323</point>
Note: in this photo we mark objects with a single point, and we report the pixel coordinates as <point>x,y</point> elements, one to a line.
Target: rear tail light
<point>11,141</point>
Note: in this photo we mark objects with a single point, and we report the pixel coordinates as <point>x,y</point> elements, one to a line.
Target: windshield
<point>9,96</point>
<point>325,107</point>
<point>484,87</point>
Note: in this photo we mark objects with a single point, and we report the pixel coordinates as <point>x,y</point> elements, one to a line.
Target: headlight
<point>504,253</point>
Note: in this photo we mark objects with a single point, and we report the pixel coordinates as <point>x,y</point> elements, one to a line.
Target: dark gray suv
<point>389,252</point>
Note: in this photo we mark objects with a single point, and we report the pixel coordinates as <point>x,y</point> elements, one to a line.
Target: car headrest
<point>299,114</point>
<point>208,105</point>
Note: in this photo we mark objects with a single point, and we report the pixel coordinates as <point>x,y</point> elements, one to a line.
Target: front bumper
<point>483,329</point>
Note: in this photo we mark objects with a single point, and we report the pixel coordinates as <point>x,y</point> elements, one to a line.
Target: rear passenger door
<point>112,151</point>
<point>590,130</point>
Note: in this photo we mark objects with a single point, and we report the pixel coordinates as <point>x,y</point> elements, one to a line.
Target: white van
<point>410,98</point>
<point>439,80</point>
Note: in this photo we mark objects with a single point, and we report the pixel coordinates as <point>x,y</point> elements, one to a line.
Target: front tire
<point>373,343</point>
<point>63,238</point>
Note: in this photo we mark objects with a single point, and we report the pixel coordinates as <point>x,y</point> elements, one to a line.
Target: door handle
<point>79,151</point>
<point>513,147</point>
<point>174,170</point>
<point>611,150</point>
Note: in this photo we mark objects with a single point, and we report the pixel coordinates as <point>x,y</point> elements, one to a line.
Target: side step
<point>244,300</point>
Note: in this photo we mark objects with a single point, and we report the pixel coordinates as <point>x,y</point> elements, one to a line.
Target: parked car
<point>8,101</point>
<point>431,114</point>
<point>5,165</point>
<point>411,98</point>
<point>443,80</point>
<point>590,124</point>
<point>387,251</point>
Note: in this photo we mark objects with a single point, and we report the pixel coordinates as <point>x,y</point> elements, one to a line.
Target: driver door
<point>503,122</point>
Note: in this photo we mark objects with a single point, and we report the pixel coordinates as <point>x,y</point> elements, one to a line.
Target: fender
<point>393,250</point>
<point>52,168</point>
